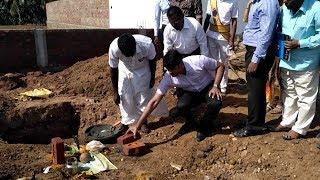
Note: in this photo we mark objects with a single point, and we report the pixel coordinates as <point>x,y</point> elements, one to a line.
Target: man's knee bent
<point>214,104</point>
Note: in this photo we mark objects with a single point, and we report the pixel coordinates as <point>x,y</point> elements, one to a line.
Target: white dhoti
<point>134,91</point>
<point>299,95</point>
<point>219,50</point>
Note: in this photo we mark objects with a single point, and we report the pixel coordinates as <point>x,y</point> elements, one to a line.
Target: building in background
<point>116,14</point>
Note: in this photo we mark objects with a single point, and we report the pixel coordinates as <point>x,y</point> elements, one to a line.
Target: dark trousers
<point>257,88</point>
<point>188,100</point>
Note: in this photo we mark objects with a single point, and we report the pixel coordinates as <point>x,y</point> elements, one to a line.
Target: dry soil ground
<point>82,98</point>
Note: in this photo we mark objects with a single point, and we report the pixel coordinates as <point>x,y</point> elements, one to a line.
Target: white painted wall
<point>140,13</point>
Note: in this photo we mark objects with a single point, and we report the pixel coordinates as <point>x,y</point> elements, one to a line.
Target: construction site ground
<point>83,97</point>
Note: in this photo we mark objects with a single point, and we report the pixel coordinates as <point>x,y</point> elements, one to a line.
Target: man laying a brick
<point>199,77</point>
<point>132,74</point>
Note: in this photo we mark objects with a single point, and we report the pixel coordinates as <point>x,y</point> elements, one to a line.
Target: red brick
<point>127,138</point>
<point>134,148</point>
<point>57,151</point>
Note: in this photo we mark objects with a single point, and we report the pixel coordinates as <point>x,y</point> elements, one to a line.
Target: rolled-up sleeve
<point>268,18</point>
<point>164,85</point>
<point>312,41</point>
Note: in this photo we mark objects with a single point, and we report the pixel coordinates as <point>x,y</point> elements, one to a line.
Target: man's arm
<point>202,40</point>
<point>233,29</point>
<point>114,80</point>
<point>268,18</point>
<point>152,104</point>
<point>215,91</point>
<point>167,43</point>
<point>312,41</point>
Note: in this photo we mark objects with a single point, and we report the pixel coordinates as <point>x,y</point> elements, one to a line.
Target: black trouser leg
<point>184,106</point>
<point>209,119</point>
<point>257,89</point>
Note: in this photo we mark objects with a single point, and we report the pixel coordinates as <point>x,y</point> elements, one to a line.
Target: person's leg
<point>257,92</point>
<point>290,99</point>
<point>184,109</point>
<point>256,84</point>
<point>209,119</point>
<point>306,85</point>
<point>224,54</point>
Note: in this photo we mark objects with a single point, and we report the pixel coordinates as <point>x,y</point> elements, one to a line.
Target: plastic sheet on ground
<point>99,164</point>
<point>37,93</point>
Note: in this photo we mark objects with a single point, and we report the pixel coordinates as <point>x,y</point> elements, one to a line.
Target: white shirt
<point>160,17</point>
<point>227,9</point>
<point>187,40</point>
<point>138,63</point>
<point>199,74</point>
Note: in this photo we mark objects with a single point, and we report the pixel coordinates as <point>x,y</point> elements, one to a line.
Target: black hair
<point>174,11</point>
<point>127,44</point>
<point>172,59</point>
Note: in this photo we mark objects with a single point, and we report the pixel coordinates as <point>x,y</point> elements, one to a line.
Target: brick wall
<point>78,14</point>
<point>65,47</point>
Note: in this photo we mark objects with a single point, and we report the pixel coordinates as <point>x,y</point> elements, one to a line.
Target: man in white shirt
<point>184,34</point>
<point>132,67</point>
<point>222,16</point>
<point>196,76</point>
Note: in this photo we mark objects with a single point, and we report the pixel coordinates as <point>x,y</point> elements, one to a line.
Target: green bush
<point>19,12</point>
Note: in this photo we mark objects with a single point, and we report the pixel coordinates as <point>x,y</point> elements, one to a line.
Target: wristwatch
<point>216,85</point>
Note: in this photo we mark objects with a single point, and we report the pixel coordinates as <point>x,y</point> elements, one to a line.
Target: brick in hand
<point>127,138</point>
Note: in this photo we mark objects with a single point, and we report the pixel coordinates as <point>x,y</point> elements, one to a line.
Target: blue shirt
<point>304,26</point>
<point>259,30</point>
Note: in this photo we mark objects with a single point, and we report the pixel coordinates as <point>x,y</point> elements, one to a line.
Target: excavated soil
<point>82,97</point>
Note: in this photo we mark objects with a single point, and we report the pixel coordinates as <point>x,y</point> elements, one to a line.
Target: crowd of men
<point>195,64</point>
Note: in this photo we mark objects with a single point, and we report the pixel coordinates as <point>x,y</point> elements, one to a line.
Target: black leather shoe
<point>186,128</point>
<point>200,136</point>
<point>245,132</point>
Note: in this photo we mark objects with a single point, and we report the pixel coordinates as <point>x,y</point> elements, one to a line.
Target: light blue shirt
<point>305,27</point>
<point>259,30</point>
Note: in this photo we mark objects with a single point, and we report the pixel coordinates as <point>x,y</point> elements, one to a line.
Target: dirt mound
<point>89,78</point>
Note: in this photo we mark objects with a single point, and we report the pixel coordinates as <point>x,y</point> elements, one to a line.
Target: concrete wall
<point>64,47</point>
<point>78,14</point>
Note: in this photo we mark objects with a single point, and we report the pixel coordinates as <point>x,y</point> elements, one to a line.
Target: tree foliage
<point>18,12</point>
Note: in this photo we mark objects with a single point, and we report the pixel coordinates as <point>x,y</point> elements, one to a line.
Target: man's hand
<point>215,92</point>
<point>134,129</point>
<point>252,68</point>
<point>116,98</point>
<point>152,81</point>
<point>292,44</point>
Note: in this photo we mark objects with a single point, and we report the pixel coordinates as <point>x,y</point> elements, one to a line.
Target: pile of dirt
<point>88,78</point>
